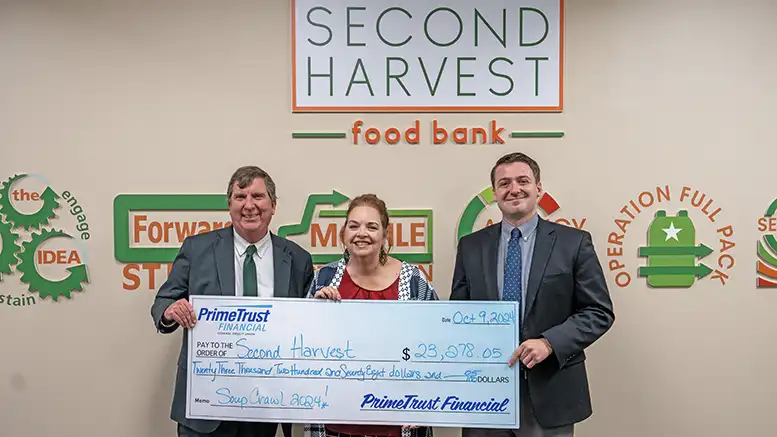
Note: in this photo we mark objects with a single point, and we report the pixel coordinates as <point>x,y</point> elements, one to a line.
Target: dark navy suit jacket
<point>205,266</point>
<point>567,302</point>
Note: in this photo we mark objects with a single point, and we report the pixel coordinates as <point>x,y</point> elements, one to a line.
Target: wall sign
<point>410,56</point>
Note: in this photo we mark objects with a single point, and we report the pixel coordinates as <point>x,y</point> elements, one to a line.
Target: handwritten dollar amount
<point>461,351</point>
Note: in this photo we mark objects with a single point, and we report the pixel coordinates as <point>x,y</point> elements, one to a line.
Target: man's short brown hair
<point>516,157</point>
<point>243,176</point>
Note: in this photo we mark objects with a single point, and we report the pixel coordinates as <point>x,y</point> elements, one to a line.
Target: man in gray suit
<point>244,259</point>
<point>552,271</point>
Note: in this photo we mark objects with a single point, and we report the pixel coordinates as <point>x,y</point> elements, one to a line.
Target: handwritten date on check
<point>439,363</point>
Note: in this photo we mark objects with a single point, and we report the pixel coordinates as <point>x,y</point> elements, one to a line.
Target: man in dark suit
<point>244,259</point>
<point>553,272</point>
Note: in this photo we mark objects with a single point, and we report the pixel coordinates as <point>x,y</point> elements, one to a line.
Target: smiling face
<point>516,191</point>
<point>251,210</point>
<point>363,233</point>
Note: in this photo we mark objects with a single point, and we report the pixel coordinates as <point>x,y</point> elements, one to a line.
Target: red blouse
<point>350,290</point>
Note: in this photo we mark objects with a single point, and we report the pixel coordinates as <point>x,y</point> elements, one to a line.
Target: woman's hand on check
<point>329,292</point>
<point>410,426</point>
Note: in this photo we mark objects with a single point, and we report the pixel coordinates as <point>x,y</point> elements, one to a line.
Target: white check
<point>438,363</point>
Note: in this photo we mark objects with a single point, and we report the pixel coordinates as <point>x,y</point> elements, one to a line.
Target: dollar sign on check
<point>405,354</point>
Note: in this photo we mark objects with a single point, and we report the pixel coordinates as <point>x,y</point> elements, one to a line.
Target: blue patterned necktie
<point>513,269</point>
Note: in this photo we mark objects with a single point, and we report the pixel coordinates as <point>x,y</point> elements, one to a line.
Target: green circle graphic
<point>470,215</point>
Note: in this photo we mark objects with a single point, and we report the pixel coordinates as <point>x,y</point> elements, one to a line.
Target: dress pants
<point>238,429</point>
<point>528,427</point>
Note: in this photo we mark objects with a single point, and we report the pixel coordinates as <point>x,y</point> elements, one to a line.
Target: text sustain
<point>318,362</point>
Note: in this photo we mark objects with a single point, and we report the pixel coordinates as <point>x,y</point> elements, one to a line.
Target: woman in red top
<point>366,271</point>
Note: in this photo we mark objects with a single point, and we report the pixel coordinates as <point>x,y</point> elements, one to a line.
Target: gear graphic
<point>37,283</point>
<point>35,220</point>
<point>8,250</point>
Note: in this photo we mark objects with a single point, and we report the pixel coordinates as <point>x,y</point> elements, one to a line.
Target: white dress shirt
<point>264,265</point>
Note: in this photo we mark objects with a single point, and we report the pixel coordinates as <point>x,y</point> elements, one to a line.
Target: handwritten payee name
<point>298,349</point>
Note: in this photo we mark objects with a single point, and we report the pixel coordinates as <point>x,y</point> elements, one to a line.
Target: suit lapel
<point>490,258</point>
<point>543,245</point>
<point>225,261</point>
<point>281,267</point>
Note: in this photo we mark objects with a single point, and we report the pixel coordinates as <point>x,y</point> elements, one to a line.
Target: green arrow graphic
<point>765,255</point>
<point>700,250</point>
<point>335,199</point>
<point>771,209</point>
<point>771,242</point>
<point>473,210</point>
<point>37,283</point>
<point>27,221</point>
<point>700,271</point>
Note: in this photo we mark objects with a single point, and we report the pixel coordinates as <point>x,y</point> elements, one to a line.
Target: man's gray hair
<point>243,176</point>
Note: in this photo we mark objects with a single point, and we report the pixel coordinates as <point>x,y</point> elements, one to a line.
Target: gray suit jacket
<point>205,266</point>
<point>567,302</point>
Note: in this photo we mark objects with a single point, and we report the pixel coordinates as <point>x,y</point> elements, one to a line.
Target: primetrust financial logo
<point>235,315</point>
<point>237,320</point>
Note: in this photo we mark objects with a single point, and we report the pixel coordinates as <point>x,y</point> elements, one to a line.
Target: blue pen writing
<point>472,375</point>
<point>249,369</point>
<point>484,318</point>
<point>298,371</point>
<point>220,368</point>
<point>244,351</point>
<point>300,350</point>
<point>224,369</point>
<point>461,352</point>
<point>253,399</point>
<point>361,373</point>
<point>199,369</point>
<point>256,399</point>
<point>404,373</point>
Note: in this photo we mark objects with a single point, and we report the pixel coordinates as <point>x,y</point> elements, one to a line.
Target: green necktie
<point>249,273</point>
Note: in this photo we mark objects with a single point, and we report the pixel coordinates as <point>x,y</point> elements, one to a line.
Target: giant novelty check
<point>439,363</point>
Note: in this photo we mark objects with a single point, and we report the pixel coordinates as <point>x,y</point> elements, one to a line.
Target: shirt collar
<point>261,246</point>
<point>526,228</point>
